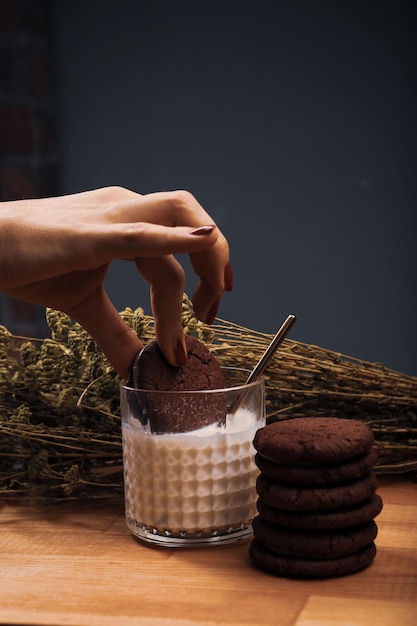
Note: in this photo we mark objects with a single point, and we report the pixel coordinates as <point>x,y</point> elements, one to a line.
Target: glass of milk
<point>197,487</point>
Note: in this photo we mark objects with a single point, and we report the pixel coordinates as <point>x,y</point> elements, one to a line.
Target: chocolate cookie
<point>201,371</point>
<point>317,498</point>
<point>314,520</point>
<point>309,440</point>
<point>320,498</point>
<point>181,411</point>
<point>310,568</point>
<point>313,544</point>
<point>317,474</point>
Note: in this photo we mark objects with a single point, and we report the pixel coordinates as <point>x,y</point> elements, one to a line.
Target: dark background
<point>292,122</point>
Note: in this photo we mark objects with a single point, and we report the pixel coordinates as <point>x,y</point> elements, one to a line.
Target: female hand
<point>55,252</point>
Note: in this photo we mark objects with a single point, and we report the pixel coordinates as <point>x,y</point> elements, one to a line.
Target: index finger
<point>166,208</point>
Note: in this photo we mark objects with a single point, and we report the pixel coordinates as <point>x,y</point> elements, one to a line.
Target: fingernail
<point>212,313</point>
<point>228,277</point>
<point>180,353</point>
<point>202,230</point>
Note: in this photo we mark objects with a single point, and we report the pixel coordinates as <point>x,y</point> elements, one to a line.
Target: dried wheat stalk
<point>59,405</point>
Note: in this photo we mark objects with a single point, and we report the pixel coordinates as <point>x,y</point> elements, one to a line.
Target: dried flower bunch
<point>60,431</point>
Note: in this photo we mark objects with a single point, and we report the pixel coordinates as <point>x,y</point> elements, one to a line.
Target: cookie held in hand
<point>180,410</point>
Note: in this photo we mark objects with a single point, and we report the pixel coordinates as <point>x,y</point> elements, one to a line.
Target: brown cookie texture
<point>280,565</point>
<point>201,371</point>
<point>295,498</point>
<point>307,543</point>
<point>310,440</point>
<point>182,411</point>
<point>323,520</point>
<point>317,474</point>
<point>316,497</point>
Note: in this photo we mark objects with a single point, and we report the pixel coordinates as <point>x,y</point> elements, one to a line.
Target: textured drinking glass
<point>195,487</point>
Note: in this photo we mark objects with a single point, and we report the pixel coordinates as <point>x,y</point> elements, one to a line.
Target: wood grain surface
<point>77,564</point>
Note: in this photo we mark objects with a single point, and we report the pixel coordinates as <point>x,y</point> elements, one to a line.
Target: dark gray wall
<point>292,122</point>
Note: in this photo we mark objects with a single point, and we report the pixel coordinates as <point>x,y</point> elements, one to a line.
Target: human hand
<point>55,252</point>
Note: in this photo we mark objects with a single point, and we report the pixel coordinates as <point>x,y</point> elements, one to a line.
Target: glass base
<point>183,539</point>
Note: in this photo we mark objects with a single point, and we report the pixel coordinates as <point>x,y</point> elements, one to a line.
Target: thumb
<point>98,316</point>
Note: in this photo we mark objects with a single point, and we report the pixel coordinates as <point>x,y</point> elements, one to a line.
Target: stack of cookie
<point>317,497</point>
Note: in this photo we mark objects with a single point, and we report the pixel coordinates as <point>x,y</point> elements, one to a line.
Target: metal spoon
<point>263,361</point>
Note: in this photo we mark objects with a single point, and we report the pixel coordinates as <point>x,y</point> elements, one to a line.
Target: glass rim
<point>246,386</point>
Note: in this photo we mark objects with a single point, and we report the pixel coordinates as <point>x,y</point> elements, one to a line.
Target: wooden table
<point>77,564</point>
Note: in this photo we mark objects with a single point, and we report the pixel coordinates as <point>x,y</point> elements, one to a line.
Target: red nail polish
<point>202,230</point>
<point>180,353</point>
<point>212,313</point>
<point>228,277</point>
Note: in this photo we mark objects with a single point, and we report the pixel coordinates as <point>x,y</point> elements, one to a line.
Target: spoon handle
<point>263,361</point>
<point>271,349</point>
